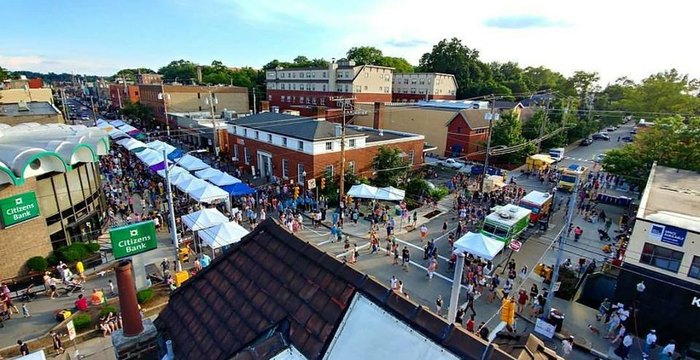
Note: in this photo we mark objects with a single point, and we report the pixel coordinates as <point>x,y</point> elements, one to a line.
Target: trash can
<point>556,318</point>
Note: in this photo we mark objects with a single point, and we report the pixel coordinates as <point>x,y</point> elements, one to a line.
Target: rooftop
<point>509,214</point>
<point>672,197</point>
<point>294,126</point>
<point>375,135</point>
<point>273,292</point>
<point>32,108</point>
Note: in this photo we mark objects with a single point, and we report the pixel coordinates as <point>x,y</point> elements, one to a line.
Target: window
<point>386,89</point>
<point>405,81</point>
<point>284,141</point>
<point>358,88</point>
<point>235,151</point>
<point>245,132</point>
<point>300,145</point>
<point>324,87</point>
<point>324,74</point>
<point>413,81</point>
<point>695,268</point>
<point>285,168</point>
<point>351,167</point>
<point>269,98</point>
<point>300,172</point>
<point>661,257</point>
<point>411,155</point>
<point>257,134</point>
<point>246,155</point>
<point>413,90</point>
<point>282,87</point>
<point>269,138</point>
<point>329,145</point>
<point>422,81</point>
<point>301,99</point>
<point>322,101</point>
<point>329,171</point>
<point>352,143</point>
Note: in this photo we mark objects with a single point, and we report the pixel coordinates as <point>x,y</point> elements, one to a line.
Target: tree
<point>584,82</point>
<point>399,64</point>
<point>451,57</point>
<point>541,78</point>
<point>389,166</point>
<point>183,71</point>
<point>365,55</point>
<point>510,75</point>
<point>4,74</point>
<point>508,132</point>
<point>672,142</point>
<point>666,92</point>
<point>137,111</point>
<point>130,74</point>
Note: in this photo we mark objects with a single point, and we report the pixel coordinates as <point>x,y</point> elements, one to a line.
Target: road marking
<point>419,248</point>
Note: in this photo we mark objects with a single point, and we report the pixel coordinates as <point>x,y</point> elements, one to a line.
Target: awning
<point>479,245</point>
<point>150,157</point>
<point>208,193</point>
<point>174,171</point>
<point>223,234</point>
<point>238,189</point>
<point>203,219</point>
<point>158,145</point>
<point>181,178</point>
<point>191,184</point>
<point>127,128</point>
<point>363,191</point>
<point>158,167</point>
<point>116,133</point>
<point>131,144</point>
<point>224,179</point>
<point>208,173</point>
<point>176,154</point>
<point>191,163</point>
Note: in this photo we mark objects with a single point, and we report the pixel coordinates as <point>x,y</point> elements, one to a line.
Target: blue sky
<point>614,38</point>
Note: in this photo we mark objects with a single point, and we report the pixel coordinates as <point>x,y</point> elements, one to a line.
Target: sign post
<point>19,208</point>
<point>133,239</point>
<point>70,327</point>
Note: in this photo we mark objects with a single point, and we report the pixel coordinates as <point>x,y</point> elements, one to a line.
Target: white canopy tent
<point>479,245</point>
<point>191,184</point>
<point>115,133</point>
<point>191,163</point>
<point>117,123</point>
<point>158,145</point>
<point>208,193</point>
<point>150,157</point>
<point>203,219</point>
<point>126,128</point>
<point>222,235</point>
<point>131,144</point>
<point>390,193</point>
<point>363,191</point>
<point>208,173</point>
<point>181,178</point>
<point>224,179</point>
<point>174,171</point>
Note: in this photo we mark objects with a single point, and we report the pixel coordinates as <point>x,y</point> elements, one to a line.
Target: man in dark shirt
<point>23,348</point>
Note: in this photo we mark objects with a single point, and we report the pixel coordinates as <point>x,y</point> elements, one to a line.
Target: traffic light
<point>508,311</point>
<point>296,192</point>
<point>323,183</point>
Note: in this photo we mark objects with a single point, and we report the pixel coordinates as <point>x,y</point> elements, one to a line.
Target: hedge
<point>82,321</point>
<point>144,295</point>
<point>37,263</point>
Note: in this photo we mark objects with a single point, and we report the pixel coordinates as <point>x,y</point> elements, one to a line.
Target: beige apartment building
<point>412,87</point>
<point>305,89</point>
<point>13,96</point>
<point>182,98</point>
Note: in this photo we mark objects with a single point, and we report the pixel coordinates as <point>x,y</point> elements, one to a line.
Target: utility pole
<point>63,101</point>
<point>544,120</point>
<point>165,107</point>
<point>255,102</point>
<point>491,117</point>
<point>563,236</point>
<point>346,103</point>
<point>94,116</point>
<point>211,101</point>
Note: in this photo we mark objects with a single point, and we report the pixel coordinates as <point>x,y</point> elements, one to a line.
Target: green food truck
<point>506,222</point>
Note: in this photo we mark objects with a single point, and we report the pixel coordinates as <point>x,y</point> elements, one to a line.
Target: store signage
<point>544,328</point>
<point>668,234</point>
<point>695,301</point>
<point>19,208</point>
<point>71,330</point>
<point>133,239</point>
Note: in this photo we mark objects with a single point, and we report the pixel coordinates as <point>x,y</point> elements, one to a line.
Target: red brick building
<point>120,94</point>
<point>286,146</point>
<point>467,133</point>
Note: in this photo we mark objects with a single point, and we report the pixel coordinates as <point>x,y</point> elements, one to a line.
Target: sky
<point>614,37</point>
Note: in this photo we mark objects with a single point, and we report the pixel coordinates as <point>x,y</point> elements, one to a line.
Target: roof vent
<point>22,106</point>
<point>504,215</point>
<point>513,210</point>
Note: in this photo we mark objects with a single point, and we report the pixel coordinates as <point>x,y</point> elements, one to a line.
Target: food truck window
<point>568,178</point>
<point>501,232</point>
<point>489,228</point>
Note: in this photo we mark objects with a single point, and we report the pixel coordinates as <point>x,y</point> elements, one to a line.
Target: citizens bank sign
<point>133,239</point>
<point>19,208</point>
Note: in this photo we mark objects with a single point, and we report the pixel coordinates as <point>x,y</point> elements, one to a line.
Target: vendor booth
<point>479,245</point>
<point>218,237</point>
<point>203,219</point>
<point>191,163</point>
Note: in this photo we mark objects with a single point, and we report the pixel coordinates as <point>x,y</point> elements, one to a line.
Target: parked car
<point>586,142</point>
<point>600,136</point>
<point>599,158</point>
<point>451,163</point>
<point>634,131</point>
<point>627,139</point>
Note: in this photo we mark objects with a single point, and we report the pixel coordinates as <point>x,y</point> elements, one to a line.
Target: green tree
<point>508,132</point>
<point>183,71</point>
<point>510,75</point>
<point>673,142</point>
<point>452,57</point>
<point>130,74</point>
<point>665,92</point>
<point>4,74</point>
<point>137,111</point>
<point>365,55</point>
<point>390,167</point>
<point>584,82</point>
<point>541,78</point>
<point>399,64</point>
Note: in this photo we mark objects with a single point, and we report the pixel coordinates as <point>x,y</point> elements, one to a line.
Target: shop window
<point>695,268</point>
<point>285,168</point>
<point>661,257</point>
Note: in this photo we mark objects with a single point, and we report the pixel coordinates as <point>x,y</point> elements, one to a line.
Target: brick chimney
<point>131,316</point>
<point>378,109</point>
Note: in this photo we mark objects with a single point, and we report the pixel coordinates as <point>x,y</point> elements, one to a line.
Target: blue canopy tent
<point>238,189</point>
<point>176,154</point>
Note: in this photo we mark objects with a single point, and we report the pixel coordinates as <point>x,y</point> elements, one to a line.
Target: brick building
<point>308,89</point>
<point>193,98</point>
<point>119,94</point>
<point>412,87</point>
<point>149,79</point>
<point>286,146</point>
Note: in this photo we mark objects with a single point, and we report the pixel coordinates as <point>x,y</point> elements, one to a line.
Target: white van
<point>557,154</point>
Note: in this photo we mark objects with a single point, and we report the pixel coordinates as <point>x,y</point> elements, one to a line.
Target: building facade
<point>149,79</point>
<point>307,89</point>
<point>286,146</point>
<point>50,191</point>
<point>412,87</point>
<point>30,112</point>
<point>11,96</point>
<point>182,98</point>
<point>664,254</point>
<point>120,94</point>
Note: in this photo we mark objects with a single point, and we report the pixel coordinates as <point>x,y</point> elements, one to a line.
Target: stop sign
<point>515,245</point>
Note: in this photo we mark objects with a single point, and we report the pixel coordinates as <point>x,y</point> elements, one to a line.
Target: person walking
<point>56,340</point>
<point>649,343</point>
<point>668,351</point>
<point>432,267</point>
<point>423,232</point>
<point>623,350</point>
<point>567,345</point>
<point>438,304</point>
<point>577,233</point>
<point>405,258</point>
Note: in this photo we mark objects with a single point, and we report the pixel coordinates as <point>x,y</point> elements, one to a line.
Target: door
<point>265,164</point>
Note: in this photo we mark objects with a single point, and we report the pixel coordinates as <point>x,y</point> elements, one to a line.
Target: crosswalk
<point>578,159</point>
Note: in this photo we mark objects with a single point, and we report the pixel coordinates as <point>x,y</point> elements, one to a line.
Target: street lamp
<point>171,207</point>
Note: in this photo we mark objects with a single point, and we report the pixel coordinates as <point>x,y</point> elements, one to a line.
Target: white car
<point>451,163</point>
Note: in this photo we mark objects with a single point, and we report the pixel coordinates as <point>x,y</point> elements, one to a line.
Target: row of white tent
<point>202,187</point>
<point>365,191</point>
<point>214,228</point>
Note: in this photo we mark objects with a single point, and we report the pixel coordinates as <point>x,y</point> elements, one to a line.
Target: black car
<point>627,139</point>
<point>586,142</point>
<point>600,136</point>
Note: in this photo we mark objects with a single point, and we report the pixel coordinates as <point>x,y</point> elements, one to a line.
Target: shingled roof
<point>273,290</point>
<point>293,126</point>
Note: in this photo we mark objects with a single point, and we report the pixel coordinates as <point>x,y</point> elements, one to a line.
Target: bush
<point>52,259</point>
<point>144,295</point>
<point>107,309</point>
<point>37,263</point>
<point>82,321</point>
<point>439,192</point>
<point>73,252</point>
<point>415,189</point>
<point>93,247</point>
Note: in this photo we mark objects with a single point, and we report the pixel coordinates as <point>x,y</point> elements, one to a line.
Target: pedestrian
<point>534,291</point>
<point>577,233</point>
<point>493,287</point>
<point>522,300</point>
<point>507,288</point>
<point>484,331</point>
<point>438,304</point>
<point>623,350</point>
<point>567,345</point>
<point>25,311</point>
<point>459,317</point>
<point>415,218</point>
<point>444,226</point>
<point>649,343</point>
<point>165,266</point>
<point>56,339</point>
<point>111,288</point>
<point>423,232</point>
<point>603,309</point>
<point>405,258</point>
<point>334,233</point>
<point>470,324</point>
<point>432,267</point>
<point>668,351</point>
<point>23,348</point>
<point>393,282</point>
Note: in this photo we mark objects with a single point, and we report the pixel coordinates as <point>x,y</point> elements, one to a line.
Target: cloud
<point>405,43</point>
<point>522,22</point>
<point>39,63</point>
<point>14,62</point>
